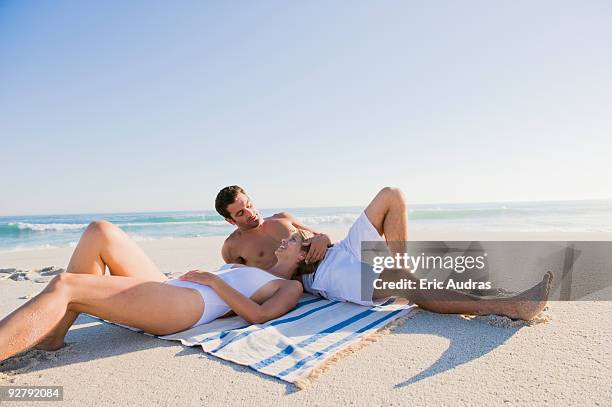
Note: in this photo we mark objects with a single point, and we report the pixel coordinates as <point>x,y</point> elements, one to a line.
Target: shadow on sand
<point>92,339</point>
<point>468,340</point>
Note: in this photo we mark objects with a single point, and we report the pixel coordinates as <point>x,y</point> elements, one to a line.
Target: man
<point>340,277</point>
<point>255,239</point>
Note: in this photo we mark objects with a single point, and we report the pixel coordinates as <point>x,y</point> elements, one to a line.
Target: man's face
<point>243,213</point>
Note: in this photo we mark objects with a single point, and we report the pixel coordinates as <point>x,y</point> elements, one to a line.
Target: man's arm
<point>228,256</point>
<point>319,243</point>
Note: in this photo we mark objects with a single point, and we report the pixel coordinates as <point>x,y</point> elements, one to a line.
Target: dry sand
<point>429,360</point>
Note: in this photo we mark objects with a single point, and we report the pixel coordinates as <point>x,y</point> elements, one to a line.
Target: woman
<point>340,276</point>
<point>137,294</point>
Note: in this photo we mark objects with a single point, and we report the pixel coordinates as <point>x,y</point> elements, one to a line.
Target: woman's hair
<point>304,268</point>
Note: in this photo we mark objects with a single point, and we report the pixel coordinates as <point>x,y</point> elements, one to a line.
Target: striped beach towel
<point>293,346</point>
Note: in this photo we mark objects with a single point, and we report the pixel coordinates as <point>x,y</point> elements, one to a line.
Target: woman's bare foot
<point>529,303</point>
<point>50,344</point>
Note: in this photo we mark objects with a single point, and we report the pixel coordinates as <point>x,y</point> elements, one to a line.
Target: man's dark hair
<point>226,197</point>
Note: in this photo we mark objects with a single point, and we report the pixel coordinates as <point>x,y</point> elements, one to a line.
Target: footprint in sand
<point>43,275</point>
<point>17,275</point>
<point>21,275</point>
<point>25,361</point>
<point>499,321</point>
<point>50,271</point>
<point>47,274</point>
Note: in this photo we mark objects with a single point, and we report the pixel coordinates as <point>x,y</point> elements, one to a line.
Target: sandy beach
<point>484,129</point>
<point>430,359</point>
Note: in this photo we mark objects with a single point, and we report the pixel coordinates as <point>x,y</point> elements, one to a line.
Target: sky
<point>149,106</point>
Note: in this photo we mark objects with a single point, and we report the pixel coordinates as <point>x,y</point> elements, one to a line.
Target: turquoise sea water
<point>25,232</point>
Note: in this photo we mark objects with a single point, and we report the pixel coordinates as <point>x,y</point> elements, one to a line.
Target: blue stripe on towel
<point>274,323</point>
<point>323,352</point>
<point>290,348</point>
<point>306,302</point>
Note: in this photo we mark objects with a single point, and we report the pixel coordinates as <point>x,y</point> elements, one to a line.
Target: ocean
<point>47,231</point>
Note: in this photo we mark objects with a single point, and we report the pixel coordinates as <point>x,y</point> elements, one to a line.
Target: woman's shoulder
<point>243,268</point>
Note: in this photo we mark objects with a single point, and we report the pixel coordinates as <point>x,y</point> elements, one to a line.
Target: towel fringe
<point>375,336</point>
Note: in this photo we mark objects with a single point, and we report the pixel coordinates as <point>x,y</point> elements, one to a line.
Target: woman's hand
<point>200,277</point>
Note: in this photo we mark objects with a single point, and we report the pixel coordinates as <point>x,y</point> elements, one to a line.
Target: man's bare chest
<point>264,242</point>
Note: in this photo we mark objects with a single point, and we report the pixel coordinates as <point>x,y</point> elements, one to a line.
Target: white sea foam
<point>35,247</point>
<point>63,231</point>
<point>217,223</point>
<point>194,222</point>
<point>330,219</point>
<point>40,227</point>
<point>59,227</point>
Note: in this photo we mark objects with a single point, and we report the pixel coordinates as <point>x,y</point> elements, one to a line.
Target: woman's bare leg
<point>102,244</point>
<point>525,305</point>
<point>125,300</point>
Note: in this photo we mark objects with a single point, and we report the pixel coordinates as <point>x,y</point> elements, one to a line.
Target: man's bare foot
<point>529,303</point>
<point>50,344</point>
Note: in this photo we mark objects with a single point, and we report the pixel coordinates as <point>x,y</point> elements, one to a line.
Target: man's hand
<point>318,247</point>
<point>200,277</point>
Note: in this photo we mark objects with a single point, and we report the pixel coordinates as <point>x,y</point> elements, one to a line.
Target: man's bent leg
<point>525,305</point>
<point>387,213</point>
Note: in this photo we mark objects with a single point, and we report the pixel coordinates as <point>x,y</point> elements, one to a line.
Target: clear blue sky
<point>140,105</point>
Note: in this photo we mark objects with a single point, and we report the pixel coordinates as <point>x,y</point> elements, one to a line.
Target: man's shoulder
<point>281,220</point>
<point>233,237</point>
<point>231,247</point>
<point>280,216</point>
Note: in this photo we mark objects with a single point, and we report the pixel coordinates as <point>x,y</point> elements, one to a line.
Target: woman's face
<point>291,249</point>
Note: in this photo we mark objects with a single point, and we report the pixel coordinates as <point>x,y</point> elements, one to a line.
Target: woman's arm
<point>282,301</point>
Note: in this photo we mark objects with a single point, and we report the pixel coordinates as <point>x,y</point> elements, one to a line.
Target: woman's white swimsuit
<point>246,280</point>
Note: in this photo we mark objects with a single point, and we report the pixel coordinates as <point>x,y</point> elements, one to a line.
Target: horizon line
<point>306,207</point>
